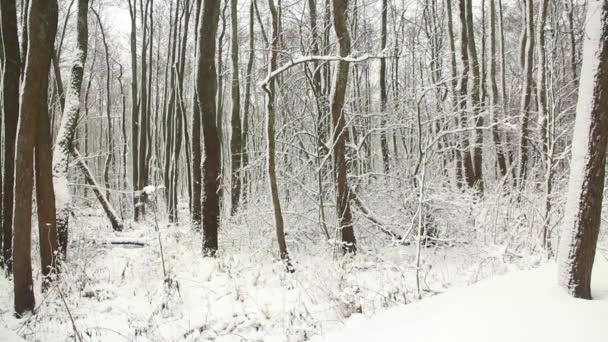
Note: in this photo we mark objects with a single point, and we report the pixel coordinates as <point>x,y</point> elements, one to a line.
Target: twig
<point>69,313</point>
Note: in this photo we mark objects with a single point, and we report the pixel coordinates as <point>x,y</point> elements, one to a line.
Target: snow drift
<point>516,307</point>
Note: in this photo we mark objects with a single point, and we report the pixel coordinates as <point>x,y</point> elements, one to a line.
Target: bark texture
<point>235,93</point>
<point>271,139</point>
<point>526,98</point>
<point>67,129</point>
<point>586,185</point>
<point>206,87</point>
<point>345,218</point>
<point>42,27</point>
<point>10,112</point>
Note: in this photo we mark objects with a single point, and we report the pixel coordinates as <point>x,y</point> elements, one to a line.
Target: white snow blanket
<point>9,336</point>
<point>516,307</point>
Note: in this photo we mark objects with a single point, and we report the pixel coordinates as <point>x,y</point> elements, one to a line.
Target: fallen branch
<point>90,179</point>
<point>123,243</point>
<point>368,215</point>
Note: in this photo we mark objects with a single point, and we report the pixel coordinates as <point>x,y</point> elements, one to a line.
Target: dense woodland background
<point>297,127</point>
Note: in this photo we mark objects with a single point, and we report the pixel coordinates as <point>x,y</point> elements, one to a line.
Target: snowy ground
<point>119,292</point>
<point>523,306</point>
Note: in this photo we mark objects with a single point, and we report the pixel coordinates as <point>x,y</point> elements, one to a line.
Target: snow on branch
<point>307,59</point>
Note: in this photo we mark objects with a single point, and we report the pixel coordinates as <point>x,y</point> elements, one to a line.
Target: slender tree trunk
<point>476,180</point>
<point>135,125</point>
<point>220,100</point>
<point>123,126</point>
<point>69,120</point>
<point>383,92</point>
<point>144,111</point>
<point>586,186</point>
<point>572,40</point>
<point>541,78</point>
<point>526,98</point>
<point>248,106</point>
<point>206,79</point>
<point>500,157</point>
<point>271,139</point>
<point>345,219</point>
<point>235,142</point>
<point>454,94</point>
<point>42,27</point>
<point>11,71</point>
<point>45,193</point>
<point>467,164</point>
<point>195,205</point>
<point>109,163</point>
<point>170,113</point>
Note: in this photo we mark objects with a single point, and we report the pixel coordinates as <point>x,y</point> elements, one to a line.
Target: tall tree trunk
<point>541,76</point>
<point>494,110</point>
<point>109,163</point>
<point>235,93</point>
<point>543,120</point>
<point>135,125</point>
<point>572,40</point>
<point>69,120</point>
<point>11,71</point>
<point>345,219</point>
<point>322,109</point>
<point>586,185</point>
<point>206,80</point>
<point>454,93</point>
<point>180,127</point>
<point>123,126</point>
<point>271,139</point>
<point>248,106</point>
<point>195,205</point>
<point>383,92</point>
<point>220,99</point>
<point>42,27</point>
<point>144,111</point>
<point>476,180</point>
<point>170,113</point>
<point>467,164</point>
<point>45,192</point>
<point>526,98</point>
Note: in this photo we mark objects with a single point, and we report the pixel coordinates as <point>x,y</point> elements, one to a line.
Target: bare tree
<point>476,179</point>
<point>345,219</point>
<point>383,91</point>
<point>586,185</point>
<point>468,172</point>
<point>69,120</point>
<point>138,208</point>
<point>270,136</point>
<point>206,87</point>
<point>235,138</point>
<point>526,98</point>
<point>494,109</point>
<point>195,205</point>
<point>11,71</point>
<point>42,27</point>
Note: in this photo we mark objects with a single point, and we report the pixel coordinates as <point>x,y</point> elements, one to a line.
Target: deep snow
<point>524,306</point>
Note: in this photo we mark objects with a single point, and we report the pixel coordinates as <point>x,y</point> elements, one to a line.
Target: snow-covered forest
<point>303,170</point>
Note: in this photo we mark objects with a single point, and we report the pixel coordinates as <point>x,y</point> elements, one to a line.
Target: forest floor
<point>524,306</point>
<point>119,292</point>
